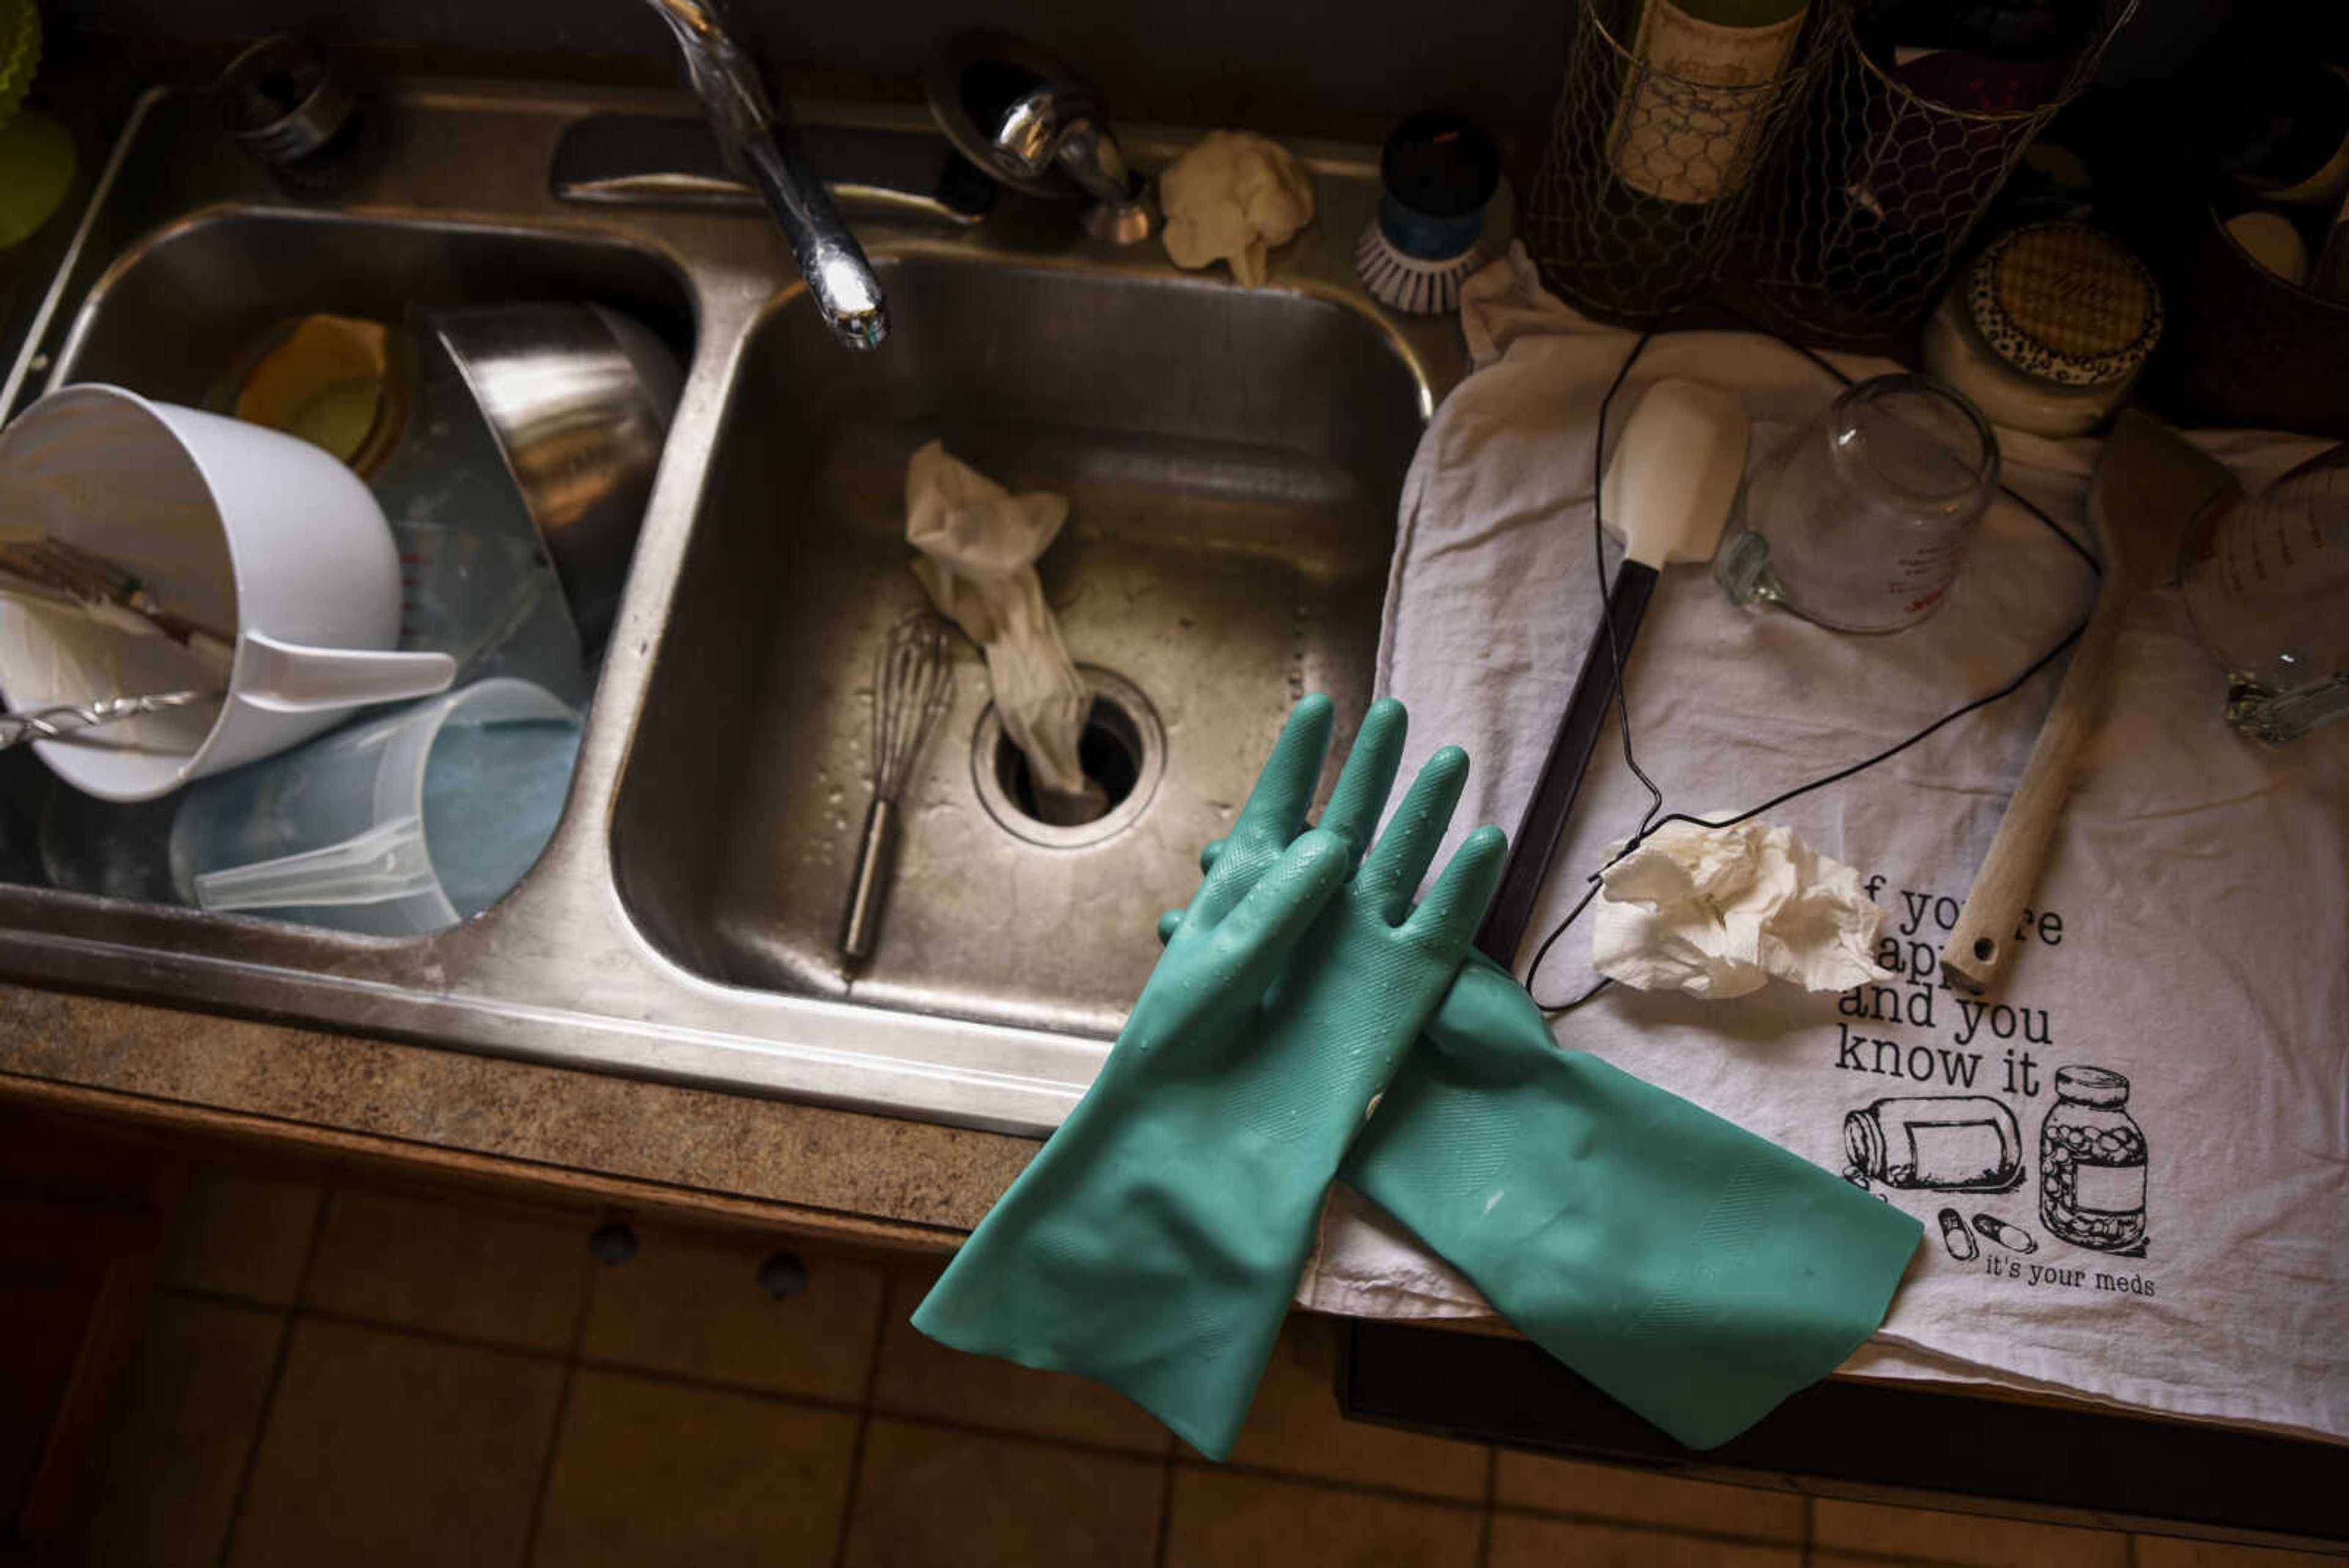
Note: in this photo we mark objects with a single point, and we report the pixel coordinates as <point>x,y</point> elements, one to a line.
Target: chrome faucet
<point>1014,109</point>
<point>759,142</point>
<point>1058,126</point>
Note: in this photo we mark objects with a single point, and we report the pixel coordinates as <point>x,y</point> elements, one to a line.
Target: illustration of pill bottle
<point>1944,1143</point>
<point>2091,1163</point>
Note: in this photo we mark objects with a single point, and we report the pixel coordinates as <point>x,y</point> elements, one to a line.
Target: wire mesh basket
<point>1654,145</point>
<point>1870,197</point>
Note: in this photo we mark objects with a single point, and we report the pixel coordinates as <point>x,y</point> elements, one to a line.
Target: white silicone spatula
<point>1667,492</point>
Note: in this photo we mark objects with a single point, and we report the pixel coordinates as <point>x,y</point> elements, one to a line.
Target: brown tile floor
<point>365,1376</point>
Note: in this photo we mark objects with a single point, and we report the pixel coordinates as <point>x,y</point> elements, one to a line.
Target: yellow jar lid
<point>2065,303</point>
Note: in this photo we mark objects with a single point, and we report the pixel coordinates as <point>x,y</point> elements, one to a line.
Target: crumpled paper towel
<point>979,546</point>
<point>1717,911</point>
<point>1232,198</point>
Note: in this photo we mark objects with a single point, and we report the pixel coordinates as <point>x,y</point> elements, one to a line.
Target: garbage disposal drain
<point>1123,749</point>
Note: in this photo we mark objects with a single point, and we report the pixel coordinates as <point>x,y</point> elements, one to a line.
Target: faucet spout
<point>760,143</point>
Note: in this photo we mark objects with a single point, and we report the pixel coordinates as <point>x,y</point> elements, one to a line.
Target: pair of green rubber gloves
<point>1308,1022</point>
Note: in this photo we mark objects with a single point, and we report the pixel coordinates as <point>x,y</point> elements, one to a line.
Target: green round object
<point>36,168</point>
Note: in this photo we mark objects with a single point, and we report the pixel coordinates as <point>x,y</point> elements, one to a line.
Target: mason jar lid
<point>2099,1086</point>
<point>2065,303</point>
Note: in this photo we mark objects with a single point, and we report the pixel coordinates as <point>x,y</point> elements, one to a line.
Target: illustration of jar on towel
<point>2091,1163</point>
<point>1947,1143</point>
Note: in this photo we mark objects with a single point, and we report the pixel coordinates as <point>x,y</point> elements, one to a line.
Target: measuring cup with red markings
<point>1860,521</point>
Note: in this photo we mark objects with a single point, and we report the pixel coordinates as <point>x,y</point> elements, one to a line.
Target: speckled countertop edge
<point>593,1137</point>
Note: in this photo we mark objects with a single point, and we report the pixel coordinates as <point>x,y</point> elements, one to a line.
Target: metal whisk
<point>61,721</point>
<point>912,681</point>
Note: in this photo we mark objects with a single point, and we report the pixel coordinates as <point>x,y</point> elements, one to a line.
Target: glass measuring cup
<point>1860,521</point>
<point>2265,581</point>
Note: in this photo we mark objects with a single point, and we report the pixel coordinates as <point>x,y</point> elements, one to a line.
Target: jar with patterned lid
<point>2047,329</point>
<point>2091,1163</point>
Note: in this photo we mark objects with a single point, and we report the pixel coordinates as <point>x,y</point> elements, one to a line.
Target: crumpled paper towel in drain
<point>979,546</point>
<point>1717,911</point>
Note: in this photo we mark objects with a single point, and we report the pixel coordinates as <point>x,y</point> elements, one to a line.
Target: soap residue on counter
<point>1718,911</point>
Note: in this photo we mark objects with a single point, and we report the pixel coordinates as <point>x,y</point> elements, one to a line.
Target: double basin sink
<point>1233,460</point>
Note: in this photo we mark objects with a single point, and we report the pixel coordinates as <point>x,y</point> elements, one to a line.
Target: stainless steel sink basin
<point>1233,459</point>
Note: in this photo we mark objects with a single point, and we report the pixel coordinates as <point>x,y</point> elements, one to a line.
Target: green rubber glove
<point>1155,1242</point>
<point>1696,1273</point>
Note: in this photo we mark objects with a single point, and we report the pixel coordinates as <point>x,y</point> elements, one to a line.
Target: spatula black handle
<point>1561,776</point>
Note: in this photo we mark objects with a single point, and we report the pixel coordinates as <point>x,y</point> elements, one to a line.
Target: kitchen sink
<point>181,308</point>
<point>1233,459</point>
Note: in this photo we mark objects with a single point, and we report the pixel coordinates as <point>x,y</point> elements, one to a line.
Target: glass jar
<point>2091,1163</point>
<point>2046,330</point>
<point>1861,520</point>
<point>2265,580</point>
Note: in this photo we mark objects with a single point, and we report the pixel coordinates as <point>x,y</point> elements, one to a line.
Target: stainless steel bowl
<point>579,400</point>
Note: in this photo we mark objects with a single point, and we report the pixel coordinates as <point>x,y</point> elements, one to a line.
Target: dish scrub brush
<point>37,154</point>
<point>1439,177</point>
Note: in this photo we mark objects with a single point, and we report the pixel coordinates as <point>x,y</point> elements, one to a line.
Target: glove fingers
<point>1275,812</point>
<point>1172,920</point>
<point>1275,915</point>
<point>1450,914</point>
<point>1405,850</point>
<point>1283,792</point>
<point>1369,776</point>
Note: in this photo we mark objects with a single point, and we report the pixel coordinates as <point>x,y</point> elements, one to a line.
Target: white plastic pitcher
<point>394,826</point>
<point>256,532</point>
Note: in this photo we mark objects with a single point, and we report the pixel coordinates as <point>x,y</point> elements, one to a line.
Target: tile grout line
<point>1612,1521</point>
<point>570,1375</point>
<point>1492,1500</point>
<point>290,1311</point>
<point>1165,1542</point>
<point>864,1421</point>
<point>1909,1560</point>
<point>340,1318</point>
<point>1328,1483</point>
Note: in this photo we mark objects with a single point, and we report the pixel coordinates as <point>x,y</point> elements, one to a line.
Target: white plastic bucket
<point>244,529</point>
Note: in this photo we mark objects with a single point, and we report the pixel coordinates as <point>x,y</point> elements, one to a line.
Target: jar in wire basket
<point>2047,329</point>
<point>1661,123</point>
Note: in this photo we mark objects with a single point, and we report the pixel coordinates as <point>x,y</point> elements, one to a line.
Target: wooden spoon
<point>2147,489</point>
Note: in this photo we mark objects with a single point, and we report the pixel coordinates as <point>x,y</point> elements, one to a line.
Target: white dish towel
<point>2189,933</point>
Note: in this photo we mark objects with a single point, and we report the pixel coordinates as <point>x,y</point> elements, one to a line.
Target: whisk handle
<point>868,890</point>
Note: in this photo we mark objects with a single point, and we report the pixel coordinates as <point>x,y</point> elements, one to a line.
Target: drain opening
<point>1122,749</point>
<point>1110,752</point>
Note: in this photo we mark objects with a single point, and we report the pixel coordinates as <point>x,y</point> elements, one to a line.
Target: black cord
<point>1886,755</point>
<point>1649,820</point>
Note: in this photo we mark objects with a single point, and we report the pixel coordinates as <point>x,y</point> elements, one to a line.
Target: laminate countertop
<point>578,1135</point>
